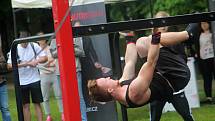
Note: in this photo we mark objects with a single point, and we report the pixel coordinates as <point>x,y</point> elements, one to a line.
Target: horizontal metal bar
<point>33,38</point>
<point>142,24</point>
<point>128,25</point>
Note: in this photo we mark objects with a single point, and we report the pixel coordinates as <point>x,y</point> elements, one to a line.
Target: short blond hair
<point>92,87</point>
<point>95,94</point>
<point>161,14</point>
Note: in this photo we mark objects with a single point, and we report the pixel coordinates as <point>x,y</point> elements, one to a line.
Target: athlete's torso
<point>160,90</point>
<point>173,67</point>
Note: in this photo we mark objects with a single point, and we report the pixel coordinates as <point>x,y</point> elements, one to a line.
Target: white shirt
<point>206,46</point>
<point>28,75</point>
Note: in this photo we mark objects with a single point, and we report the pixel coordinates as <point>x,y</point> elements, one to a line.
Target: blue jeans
<point>82,102</point>
<point>4,103</point>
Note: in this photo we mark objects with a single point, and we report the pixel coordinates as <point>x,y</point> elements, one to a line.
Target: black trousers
<point>207,69</point>
<point>179,102</point>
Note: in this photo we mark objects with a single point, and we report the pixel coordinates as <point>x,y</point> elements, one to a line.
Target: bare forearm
<point>172,38</point>
<point>42,59</point>
<point>9,66</point>
<point>35,62</point>
<point>153,54</point>
<point>130,62</point>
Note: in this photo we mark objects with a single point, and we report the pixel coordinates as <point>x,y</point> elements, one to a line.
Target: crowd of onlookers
<point>38,74</point>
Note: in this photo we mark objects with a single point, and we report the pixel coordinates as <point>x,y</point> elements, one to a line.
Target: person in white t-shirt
<point>205,56</point>
<point>29,55</point>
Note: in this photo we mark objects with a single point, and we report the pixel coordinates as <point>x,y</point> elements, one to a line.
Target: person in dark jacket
<point>178,98</point>
<point>3,87</point>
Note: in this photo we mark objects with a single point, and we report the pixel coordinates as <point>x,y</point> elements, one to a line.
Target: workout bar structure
<point>142,24</point>
<point>130,25</point>
<point>93,30</point>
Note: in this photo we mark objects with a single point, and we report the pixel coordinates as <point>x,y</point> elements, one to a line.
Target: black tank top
<point>160,90</point>
<point>128,100</point>
<point>173,67</point>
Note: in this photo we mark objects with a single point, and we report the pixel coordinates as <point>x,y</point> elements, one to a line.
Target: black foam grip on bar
<point>156,38</point>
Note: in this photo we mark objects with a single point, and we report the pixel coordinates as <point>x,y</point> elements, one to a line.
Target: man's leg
<point>190,35</point>
<point>207,70</point>
<point>4,103</point>
<point>45,88</point>
<point>57,91</point>
<point>168,38</point>
<point>60,103</point>
<point>181,105</point>
<point>26,102</point>
<point>38,111</point>
<point>27,112</point>
<point>156,108</point>
<point>37,98</point>
<point>82,102</point>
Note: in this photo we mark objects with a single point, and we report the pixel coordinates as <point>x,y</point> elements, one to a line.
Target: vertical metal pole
<point>16,82</point>
<point>69,85</point>
<point>118,68</point>
<point>124,113</point>
<point>19,104</point>
<point>14,23</point>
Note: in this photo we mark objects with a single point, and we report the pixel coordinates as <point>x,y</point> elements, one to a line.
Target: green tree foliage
<point>140,9</point>
<point>176,7</point>
<point>128,10</point>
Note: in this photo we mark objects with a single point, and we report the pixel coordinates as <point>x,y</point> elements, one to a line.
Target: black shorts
<point>34,90</point>
<point>160,89</point>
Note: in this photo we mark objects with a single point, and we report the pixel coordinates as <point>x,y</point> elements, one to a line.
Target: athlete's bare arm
<point>139,91</point>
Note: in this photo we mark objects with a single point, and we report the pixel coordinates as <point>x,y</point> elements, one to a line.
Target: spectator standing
<point>78,53</point>
<point>29,55</point>
<point>179,97</point>
<point>53,50</point>
<point>3,87</point>
<point>205,57</point>
<point>49,80</point>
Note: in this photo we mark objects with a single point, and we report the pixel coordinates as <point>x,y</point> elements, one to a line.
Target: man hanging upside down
<point>163,74</point>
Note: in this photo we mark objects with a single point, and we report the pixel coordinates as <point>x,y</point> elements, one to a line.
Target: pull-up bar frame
<point>66,50</point>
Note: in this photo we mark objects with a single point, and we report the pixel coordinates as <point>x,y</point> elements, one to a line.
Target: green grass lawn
<point>54,109</point>
<point>204,113</point>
